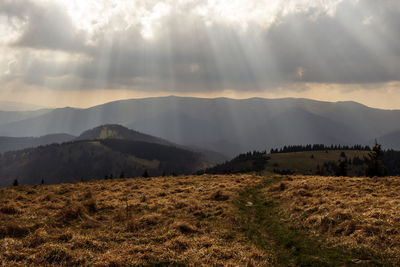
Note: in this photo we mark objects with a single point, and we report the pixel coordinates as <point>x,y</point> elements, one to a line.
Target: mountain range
<point>224,125</point>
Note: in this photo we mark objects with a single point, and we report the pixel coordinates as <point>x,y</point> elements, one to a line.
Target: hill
<point>86,160</point>
<point>244,163</point>
<point>315,161</point>
<point>228,126</point>
<point>115,131</point>
<point>311,162</point>
<point>103,152</point>
<point>17,143</point>
<point>234,220</point>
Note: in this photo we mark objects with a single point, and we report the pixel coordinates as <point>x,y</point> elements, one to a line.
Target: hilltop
<point>203,220</point>
<point>115,131</point>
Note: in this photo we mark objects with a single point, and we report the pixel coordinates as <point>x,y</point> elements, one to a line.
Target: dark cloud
<point>359,43</point>
<point>47,26</point>
<point>339,49</point>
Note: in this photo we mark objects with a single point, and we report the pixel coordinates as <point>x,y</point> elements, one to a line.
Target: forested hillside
<point>310,159</point>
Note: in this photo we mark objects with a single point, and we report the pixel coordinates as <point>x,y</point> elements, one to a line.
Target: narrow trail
<point>264,223</point>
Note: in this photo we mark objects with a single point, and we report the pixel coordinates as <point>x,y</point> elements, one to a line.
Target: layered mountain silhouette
<point>224,125</point>
<point>14,116</point>
<point>105,151</point>
<point>18,106</point>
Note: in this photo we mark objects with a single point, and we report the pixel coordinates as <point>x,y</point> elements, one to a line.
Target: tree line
<point>317,147</point>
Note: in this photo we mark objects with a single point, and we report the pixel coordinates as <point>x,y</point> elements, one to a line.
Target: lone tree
<point>145,174</point>
<point>320,170</point>
<point>15,183</point>
<point>342,168</point>
<point>374,162</point>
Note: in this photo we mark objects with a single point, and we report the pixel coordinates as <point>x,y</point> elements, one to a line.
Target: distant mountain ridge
<point>14,116</point>
<point>18,106</point>
<point>17,143</point>
<point>228,126</point>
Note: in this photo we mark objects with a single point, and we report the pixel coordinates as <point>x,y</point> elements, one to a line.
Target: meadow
<point>234,220</point>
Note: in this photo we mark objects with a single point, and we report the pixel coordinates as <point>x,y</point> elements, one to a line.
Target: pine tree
<point>374,162</point>
<point>342,168</point>
<point>320,170</point>
<point>15,183</point>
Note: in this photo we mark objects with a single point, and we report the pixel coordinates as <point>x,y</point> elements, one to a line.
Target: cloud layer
<point>198,46</point>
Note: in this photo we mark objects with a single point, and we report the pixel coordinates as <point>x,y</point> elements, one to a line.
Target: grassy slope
<point>302,163</point>
<point>360,214</point>
<point>269,224</point>
<point>203,220</point>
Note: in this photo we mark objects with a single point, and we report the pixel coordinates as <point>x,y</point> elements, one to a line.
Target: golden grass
<point>188,219</point>
<point>353,212</point>
<point>123,222</point>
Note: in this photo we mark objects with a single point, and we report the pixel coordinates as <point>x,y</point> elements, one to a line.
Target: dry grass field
<point>360,213</point>
<point>200,220</point>
<point>143,221</point>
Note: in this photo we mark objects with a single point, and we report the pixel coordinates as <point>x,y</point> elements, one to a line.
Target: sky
<point>82,53</point>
